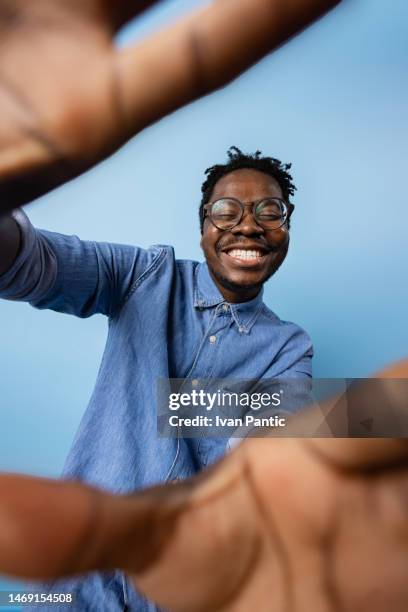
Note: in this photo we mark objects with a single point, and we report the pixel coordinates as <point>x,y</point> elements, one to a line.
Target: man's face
<point>238,277</point>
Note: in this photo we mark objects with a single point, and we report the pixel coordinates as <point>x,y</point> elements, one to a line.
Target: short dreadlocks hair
<point>238,160</point>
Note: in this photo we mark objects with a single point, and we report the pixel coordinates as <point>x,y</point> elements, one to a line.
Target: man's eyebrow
<point>231,197</point>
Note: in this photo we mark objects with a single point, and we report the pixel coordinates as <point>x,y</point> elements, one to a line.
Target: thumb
<point>203,51</point>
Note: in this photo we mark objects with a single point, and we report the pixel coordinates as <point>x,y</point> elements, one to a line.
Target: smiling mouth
<point>246,256</point>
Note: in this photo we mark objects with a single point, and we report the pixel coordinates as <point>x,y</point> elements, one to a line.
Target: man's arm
<point>9,242</point>
<point>69,97</point>
<point>278,524</point>
<point>70,275</point>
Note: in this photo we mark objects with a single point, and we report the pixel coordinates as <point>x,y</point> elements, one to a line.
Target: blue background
<point>334,102</point>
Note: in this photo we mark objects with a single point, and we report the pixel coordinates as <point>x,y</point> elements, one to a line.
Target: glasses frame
<point>287,205</point>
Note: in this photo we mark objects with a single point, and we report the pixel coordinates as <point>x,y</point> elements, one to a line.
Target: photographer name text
<point>248,421</point>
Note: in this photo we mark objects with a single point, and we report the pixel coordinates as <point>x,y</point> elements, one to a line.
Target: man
<point>168,319</point>
<point>63,108</point>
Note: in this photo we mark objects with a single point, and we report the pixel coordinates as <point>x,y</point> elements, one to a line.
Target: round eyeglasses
<point>269,213</point>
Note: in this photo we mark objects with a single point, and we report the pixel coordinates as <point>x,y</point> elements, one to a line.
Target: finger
<point>396,370</point>
<point>335,428</point>
<point>204,51</point>
<point>372,453</point>
<point>44,525</point>
<point>361,453</point>
<point>51,528</point>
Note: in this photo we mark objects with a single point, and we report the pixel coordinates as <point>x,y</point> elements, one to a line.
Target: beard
<point>243,288</point>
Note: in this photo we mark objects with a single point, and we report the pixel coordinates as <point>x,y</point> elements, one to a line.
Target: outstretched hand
<point>69,98</point>
<point>280,527</point>
<point>279,524</point>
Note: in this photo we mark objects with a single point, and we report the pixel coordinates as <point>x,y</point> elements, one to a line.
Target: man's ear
<point>203,231</point>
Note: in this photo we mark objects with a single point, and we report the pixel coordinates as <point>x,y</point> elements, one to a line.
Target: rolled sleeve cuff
<point>17,283</point>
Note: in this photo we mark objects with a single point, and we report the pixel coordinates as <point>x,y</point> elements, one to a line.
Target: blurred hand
<point>69,98</point>
<point>280,527</point>
<point>280,524</point>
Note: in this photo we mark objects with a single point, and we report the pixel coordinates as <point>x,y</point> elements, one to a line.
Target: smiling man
<point>244,215</point>
<point>167,319</point>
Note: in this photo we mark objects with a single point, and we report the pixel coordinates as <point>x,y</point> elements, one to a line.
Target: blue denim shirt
<point>161,313</point>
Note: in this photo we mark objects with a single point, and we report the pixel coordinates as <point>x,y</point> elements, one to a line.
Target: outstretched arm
<point>279,524</point>
<point>69,98</point>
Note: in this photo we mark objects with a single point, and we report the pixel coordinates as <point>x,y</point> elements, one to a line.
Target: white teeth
<point>245,254</point>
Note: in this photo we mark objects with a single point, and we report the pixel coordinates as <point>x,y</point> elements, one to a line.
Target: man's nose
<point>248,225</point>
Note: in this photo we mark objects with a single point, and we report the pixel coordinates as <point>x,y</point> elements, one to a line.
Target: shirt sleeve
<point>296,355</point>
<point>70,275</point>
<point>295,378</point>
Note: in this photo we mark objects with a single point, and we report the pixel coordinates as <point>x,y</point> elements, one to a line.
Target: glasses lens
<point>225,213</point>
<point>271,213</point>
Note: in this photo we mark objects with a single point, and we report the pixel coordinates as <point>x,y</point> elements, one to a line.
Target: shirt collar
<point>207,295</point>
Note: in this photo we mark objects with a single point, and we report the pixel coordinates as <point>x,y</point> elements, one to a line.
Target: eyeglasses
<point>269,213</point>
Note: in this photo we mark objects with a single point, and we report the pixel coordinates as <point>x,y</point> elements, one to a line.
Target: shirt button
<point>194,382</point>
<point>213,339</point>
<point>225,307</point>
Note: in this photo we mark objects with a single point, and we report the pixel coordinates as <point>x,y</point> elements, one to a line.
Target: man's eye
<point>270,216</point>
